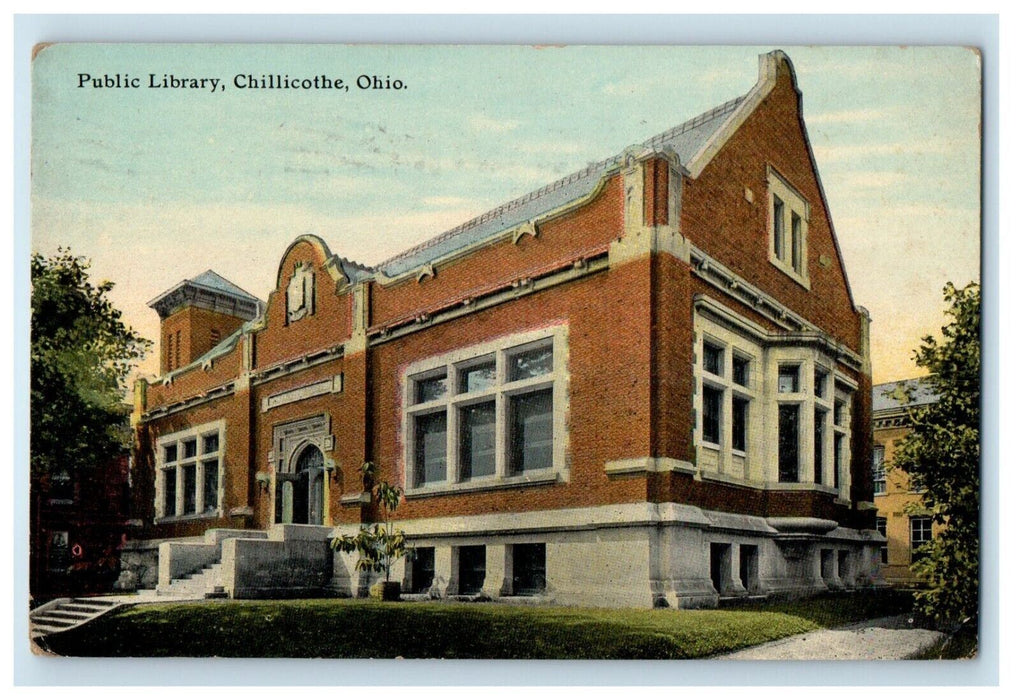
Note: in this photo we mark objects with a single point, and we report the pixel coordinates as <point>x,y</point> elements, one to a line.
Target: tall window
<point>62,487</point>
<point>724,401</point>
<point>821,416</point>
<point>788,223</point>
<point>531,431</point>
<point>920,532</point>
<point>841,438</point>
<point>711,411</point>
<point>768,412</point>
<point>740,409</point>
<point>430,448</point>
<point>486,413</point>
<point>188,470</point>
<point>778,228</point>
<point>58,552</point>
<point>878,469</point>
<point>880,525</point>
<point>789,442</point>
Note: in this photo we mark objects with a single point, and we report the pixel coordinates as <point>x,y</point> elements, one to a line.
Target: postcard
<point>502,352</point>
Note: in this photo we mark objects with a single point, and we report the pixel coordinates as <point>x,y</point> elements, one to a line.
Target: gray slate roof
<point>686,139</point>
<point>211,280</point>
<point>885,397</point>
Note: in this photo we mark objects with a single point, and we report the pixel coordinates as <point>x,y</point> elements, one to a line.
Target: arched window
<point>310,458</point>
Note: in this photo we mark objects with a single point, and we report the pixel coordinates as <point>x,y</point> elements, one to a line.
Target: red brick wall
<point>609,394</point>
<point>329,325</point>
<point>237,481</point>
<point>717,218</point>
<point>196,327</point>
<point>672,348</point>
<point>197,380</point>
<point>562,239</point>
<point>656,183</point>
<point>345,409</point>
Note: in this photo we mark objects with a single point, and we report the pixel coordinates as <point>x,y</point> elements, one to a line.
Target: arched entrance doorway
<point>299,491</point>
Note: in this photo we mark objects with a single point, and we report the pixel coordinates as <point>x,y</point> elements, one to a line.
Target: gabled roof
<point>687,140</point>
<point>893,395</point>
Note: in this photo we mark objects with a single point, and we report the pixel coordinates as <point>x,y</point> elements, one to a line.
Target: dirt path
<point>884,638</point>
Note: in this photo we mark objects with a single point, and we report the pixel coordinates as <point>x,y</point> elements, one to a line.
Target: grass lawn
<point>365,629</point>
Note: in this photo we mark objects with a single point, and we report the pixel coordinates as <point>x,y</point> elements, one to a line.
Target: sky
<point>156,185</point>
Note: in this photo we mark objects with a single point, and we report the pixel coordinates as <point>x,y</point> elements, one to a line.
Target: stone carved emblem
<point>300,293</point>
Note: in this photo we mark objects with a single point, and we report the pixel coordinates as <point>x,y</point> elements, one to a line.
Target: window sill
<point>208,515</point>
<point>536,479</point>
<point>800,279</point>
<point>801,486</point>
<point>765,486</point>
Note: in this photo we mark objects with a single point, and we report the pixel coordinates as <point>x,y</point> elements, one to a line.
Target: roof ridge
<point>697,121</point>
<point>670,133</point>
<point>231,286</point>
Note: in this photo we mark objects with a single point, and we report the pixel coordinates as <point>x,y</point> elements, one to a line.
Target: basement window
<point>528,569</point>
<point>423,569</point>
<point>470,569</point>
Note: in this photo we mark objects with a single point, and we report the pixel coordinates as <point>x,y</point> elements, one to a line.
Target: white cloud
<point>483,123</point>
<point>716,75</point>
<point>840,152</point>
<point>551,147</point>
<point>847,116</point>
<point>866,180</point>
<point>445,201</point>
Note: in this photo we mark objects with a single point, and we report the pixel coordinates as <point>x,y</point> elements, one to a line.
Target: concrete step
<point>93,602</point>
<point>52,620</point>
<point>70,615</point>
<point>205,582</point>
<point>89,608</point>
<point>65,614</point>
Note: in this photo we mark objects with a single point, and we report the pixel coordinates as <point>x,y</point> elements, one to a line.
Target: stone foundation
<point>637,555</point>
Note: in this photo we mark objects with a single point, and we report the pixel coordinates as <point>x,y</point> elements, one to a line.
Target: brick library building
<point>644,384</point>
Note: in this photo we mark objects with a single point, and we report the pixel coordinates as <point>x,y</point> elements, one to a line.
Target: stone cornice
<point>296,364</point>
<point>213,394</point>
<point>188,293</point>
<point>735,287</point>
<point>527,282</point>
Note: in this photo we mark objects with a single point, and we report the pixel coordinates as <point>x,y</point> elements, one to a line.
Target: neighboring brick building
<point>644,384</point>
<point>899,517</point>
<point>79,519</point>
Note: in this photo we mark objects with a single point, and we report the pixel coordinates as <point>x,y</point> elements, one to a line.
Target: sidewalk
<point>871,640</point>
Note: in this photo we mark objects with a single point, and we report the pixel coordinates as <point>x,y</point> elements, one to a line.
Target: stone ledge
<point>508,483</point>
<point>354,499</point>
<point>638,465</point>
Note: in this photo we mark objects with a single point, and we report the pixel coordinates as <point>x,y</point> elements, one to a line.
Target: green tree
<point>379,545</point>
<point>82,353</point>
<point>942,456</point>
